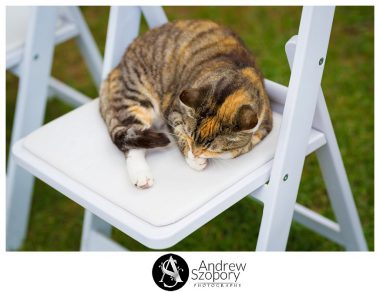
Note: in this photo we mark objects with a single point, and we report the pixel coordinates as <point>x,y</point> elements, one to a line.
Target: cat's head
<point>220,116</point>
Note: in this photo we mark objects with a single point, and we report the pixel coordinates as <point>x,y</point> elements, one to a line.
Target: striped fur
<point>197,76</point>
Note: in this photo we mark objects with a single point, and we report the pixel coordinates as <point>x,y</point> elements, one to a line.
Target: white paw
<point>138,170</point>
<point>197,163</point>
<point>141,179</point>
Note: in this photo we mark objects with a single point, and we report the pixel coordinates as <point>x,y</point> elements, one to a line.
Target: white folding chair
<point>75,156</point>
<point>32,33</point>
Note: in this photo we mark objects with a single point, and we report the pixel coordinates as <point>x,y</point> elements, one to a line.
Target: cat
<point>199,78</point>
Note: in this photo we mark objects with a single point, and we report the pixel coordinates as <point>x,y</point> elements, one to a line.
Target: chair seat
<point>75,155</point>
<point>17,24</point>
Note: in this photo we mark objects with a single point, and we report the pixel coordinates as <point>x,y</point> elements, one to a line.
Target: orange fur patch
<point>253,76</point>
<point>142,114</point>
<point>208,127</point>
<point>232,103</point>
<point>149,91</point>
<point>210,154</point>
<point>115,73</point>
<point>228,42</point>
<point>165,102</point>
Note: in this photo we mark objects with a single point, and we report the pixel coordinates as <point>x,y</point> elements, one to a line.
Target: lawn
<point>348,83</point>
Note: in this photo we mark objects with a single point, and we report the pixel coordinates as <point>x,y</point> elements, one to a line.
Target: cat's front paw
<point>142,179</point>
<point>197,163</point>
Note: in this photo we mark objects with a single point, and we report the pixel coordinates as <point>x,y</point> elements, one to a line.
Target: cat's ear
<point>194,97</point>
<point>190,97</point>
<point>246,119</point>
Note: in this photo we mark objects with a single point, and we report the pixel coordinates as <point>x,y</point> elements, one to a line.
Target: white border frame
<point>322,271</point>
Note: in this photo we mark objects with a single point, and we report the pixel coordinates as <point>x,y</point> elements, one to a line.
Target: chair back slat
<point>154,15</point>
<point>123,28</point>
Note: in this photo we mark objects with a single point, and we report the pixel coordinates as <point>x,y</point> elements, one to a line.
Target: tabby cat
<point>200,79</point>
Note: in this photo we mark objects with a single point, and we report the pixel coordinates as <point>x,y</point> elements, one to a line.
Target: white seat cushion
<point>78,145</point>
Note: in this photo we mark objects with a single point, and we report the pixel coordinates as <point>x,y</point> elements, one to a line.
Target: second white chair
<point>32,33</point>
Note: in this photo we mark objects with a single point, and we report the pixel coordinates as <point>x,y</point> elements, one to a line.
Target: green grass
<point>348,83</point>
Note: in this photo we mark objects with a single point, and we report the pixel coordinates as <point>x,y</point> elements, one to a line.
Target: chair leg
<point>30,109</point>
<point>337,184</point>
<point>333,172</point>
<point>19,196</point>
<point>276,222</point>
<point>93,223</point>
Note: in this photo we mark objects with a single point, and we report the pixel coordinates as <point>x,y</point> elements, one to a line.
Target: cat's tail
<point>128,137</point>
<point>127,120</point>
